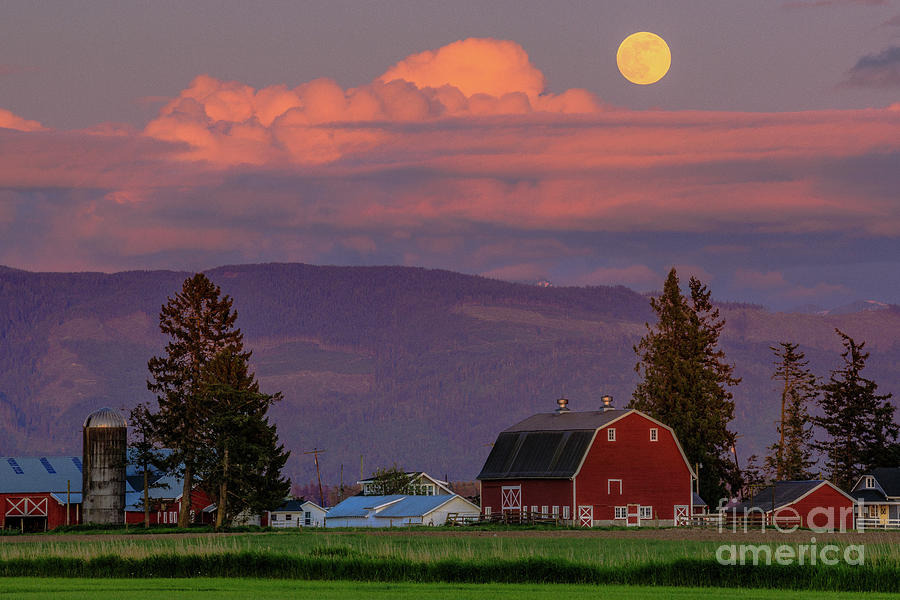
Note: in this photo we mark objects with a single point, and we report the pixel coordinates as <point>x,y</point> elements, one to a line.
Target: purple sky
<point>116,157</point>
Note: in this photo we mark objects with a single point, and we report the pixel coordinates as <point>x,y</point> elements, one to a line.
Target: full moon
<point>643,58</point>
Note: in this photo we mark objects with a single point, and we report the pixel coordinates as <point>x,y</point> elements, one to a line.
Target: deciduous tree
<point>391,480</point>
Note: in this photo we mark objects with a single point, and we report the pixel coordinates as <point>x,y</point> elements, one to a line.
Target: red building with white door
<point>604,467</point>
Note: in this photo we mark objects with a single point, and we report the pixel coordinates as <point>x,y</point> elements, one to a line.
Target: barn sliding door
<point>511,497</point>
<point>586,516</point>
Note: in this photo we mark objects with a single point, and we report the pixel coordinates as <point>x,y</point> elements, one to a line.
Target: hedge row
<point>682,572</point>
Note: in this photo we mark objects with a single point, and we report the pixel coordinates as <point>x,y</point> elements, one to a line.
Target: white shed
<point>297,513</point>
<point>397,510</point>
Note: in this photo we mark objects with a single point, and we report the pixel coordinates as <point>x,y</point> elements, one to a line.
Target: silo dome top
<point>105,417</point>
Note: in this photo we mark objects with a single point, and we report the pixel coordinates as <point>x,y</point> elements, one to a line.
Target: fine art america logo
<point>819,520</point>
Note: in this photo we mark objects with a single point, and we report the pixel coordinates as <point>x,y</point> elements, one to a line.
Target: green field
<point>435,562</point>
<point>262,589</point>
<point>604,551</point>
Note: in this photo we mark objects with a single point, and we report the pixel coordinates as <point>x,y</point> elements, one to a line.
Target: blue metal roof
<point>397,506</point>
<point>414,506</point>
<point>360,506</point>
<point>36,474</point>
<point>73,498</point>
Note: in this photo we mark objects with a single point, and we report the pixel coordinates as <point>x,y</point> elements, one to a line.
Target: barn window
<point>614,486</point>
<point>646,512</point>
<point>567,512</point>
<point>869,482</point>
<point>545,510</point>
<point>654,434</point>
<point>534,510</point>
<point>611,434</point>
<point>487,511</point>
<point>555,512</point>
<point>621,512</point>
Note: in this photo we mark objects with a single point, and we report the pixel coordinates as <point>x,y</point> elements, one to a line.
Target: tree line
<point>210,424</point>
<point>686,383</point>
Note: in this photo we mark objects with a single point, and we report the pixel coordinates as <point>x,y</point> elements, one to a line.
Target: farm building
<point>421,484</point>
<point>808,503</point>
<point>878,495</point>
<point>699,505</point>
<point>590,468</point>
<point>298,513</point>
<point>165,493</point>
<point>40,492</point>
<point>397,510</point>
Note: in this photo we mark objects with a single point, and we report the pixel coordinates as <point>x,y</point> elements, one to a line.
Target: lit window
<point>869,482</point>
<point>611,434</point>
<point>621,512</point>
<point>646,512</point>
<point>654,434</point>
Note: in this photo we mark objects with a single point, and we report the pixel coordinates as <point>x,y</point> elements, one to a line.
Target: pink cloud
<point>9,120</point>
<point>229,123</point>
<point>473,66</point>
<point>401,166</point>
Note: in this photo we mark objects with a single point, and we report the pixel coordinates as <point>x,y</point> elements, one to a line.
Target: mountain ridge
<point>398,364</point>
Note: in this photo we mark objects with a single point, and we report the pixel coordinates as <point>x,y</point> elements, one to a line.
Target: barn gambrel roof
<point>552,445</point>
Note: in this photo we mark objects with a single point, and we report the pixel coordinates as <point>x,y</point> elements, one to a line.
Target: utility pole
<point>315,452</point>
<point>341,496</point>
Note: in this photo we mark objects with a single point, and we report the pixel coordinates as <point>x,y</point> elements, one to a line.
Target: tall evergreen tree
<point>791,457</point>
<point>685,382</point>
<point>200,324</point>
<point>143,452</point>
<point>858,421</point>
<point>242,459</point>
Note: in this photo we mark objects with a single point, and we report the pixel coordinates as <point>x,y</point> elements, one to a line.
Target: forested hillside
<point>413,366</point>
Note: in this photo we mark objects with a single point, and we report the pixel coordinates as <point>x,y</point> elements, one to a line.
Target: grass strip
<point>679,573</point>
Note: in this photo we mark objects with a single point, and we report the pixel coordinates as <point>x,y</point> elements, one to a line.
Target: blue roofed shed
<point>397,510</point>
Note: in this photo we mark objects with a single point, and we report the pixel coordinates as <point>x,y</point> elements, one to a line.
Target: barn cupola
<point>562,408</point>
<point>607,403</point>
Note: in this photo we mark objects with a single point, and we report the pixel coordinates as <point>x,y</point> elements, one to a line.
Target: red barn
<point>38,493</point>
<point>814,504</point>
<point>605,467</point>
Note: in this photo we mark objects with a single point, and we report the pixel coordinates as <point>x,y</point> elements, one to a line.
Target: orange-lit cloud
<point>473,66</point>
<point>448,160</point>
<point>229,123</point>
<point>9,120</point>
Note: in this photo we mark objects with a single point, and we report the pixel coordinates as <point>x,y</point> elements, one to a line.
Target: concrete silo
<point>103,467</point>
